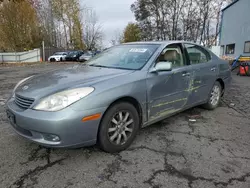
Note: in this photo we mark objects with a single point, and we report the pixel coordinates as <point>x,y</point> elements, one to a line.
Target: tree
<point>68,14</point>
<point>193,20</point>
<point>25,24</point>
<point>117,39</point>
<point>132,33</point>
<point>92,31</point>
<point>19,26</point>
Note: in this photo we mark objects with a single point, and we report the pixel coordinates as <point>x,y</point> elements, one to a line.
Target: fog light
<point>51,137</point>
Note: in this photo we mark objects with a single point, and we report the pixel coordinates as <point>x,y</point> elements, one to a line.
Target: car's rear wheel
<point>214,97</point>
<point>118,127</point>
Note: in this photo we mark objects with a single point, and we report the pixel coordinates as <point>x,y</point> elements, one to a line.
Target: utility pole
<point>43,51</point>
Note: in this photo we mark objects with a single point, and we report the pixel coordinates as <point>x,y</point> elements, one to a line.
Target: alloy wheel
<point>120,127</point>
<point>215,95</point>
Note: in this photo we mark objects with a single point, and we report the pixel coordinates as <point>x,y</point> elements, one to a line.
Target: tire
<point>111,136</point>
<point>214,97</point>
<point>52,60</point>
<point>61,60</point>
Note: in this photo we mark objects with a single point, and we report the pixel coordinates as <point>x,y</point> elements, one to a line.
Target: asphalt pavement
<point>211,151</point>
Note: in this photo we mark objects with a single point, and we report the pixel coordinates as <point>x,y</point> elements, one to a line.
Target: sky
<point>113,16</point>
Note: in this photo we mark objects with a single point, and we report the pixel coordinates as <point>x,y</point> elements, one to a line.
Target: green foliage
<point>19,26</point>
<point>68,13</point>
<point>132,33</point>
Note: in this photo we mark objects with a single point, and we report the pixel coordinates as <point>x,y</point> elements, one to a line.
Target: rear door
<point>167,90</point>
<point>204,73</point>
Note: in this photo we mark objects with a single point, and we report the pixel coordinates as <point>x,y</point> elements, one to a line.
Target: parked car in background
<point>74,55</point>
<point>86,56</point>
<point>58,56</point>
<point>109,98</point>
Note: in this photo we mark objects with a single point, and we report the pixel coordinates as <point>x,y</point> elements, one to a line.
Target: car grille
<point>23,102</point>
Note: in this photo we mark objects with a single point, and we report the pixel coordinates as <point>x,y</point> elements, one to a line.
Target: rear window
<point>197,54</point>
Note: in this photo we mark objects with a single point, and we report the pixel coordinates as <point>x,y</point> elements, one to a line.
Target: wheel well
<point>222,85</point>
<point>132,101</point>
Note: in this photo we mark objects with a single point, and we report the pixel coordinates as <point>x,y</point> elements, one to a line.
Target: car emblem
<point>25,87</point>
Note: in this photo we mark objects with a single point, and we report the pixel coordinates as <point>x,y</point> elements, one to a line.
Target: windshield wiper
<point>93,65</point>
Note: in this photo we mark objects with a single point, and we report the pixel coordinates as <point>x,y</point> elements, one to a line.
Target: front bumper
<point>66,124</point>
<point>55,59</point>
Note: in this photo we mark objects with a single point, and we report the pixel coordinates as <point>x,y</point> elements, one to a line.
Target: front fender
<point>109,91</point>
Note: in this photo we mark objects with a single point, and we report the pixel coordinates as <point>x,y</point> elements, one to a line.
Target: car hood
<point>58,80</point>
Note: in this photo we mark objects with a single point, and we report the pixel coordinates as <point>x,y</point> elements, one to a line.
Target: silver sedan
<point>116,93</point>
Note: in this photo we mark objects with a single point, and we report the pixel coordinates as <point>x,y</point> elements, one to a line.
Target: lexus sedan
<point>119,91</point>
<point>58,56</point>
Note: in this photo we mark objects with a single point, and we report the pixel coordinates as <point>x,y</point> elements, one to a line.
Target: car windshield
<point>128,56</point>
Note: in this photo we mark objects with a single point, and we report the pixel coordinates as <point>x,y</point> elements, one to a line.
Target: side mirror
<point>162,66</point>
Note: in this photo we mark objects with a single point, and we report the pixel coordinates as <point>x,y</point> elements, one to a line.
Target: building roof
<point>235,1</point>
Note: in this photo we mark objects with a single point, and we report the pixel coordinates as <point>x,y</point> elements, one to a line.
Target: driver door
<point>168,90</point>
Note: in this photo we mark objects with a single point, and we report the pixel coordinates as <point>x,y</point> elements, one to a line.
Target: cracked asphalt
<point>211,152</point>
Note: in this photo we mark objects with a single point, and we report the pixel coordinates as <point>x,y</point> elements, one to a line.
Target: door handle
<point>213,69</point>
<point>185,74</point>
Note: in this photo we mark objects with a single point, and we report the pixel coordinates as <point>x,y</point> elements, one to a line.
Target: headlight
<point>74,56</point>
<point>19,83</point>
<point>61,100</point>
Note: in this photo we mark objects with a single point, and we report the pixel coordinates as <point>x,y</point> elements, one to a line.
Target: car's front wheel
<point>118,127</point>
<point>214,97</point>
<point>52,60</point>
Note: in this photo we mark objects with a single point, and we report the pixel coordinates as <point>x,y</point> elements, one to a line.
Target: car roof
<point>161,42</point>
<point>166,42</point>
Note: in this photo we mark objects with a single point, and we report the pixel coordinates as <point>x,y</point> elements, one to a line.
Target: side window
<point>173,54</point>
<point>197,54</point>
